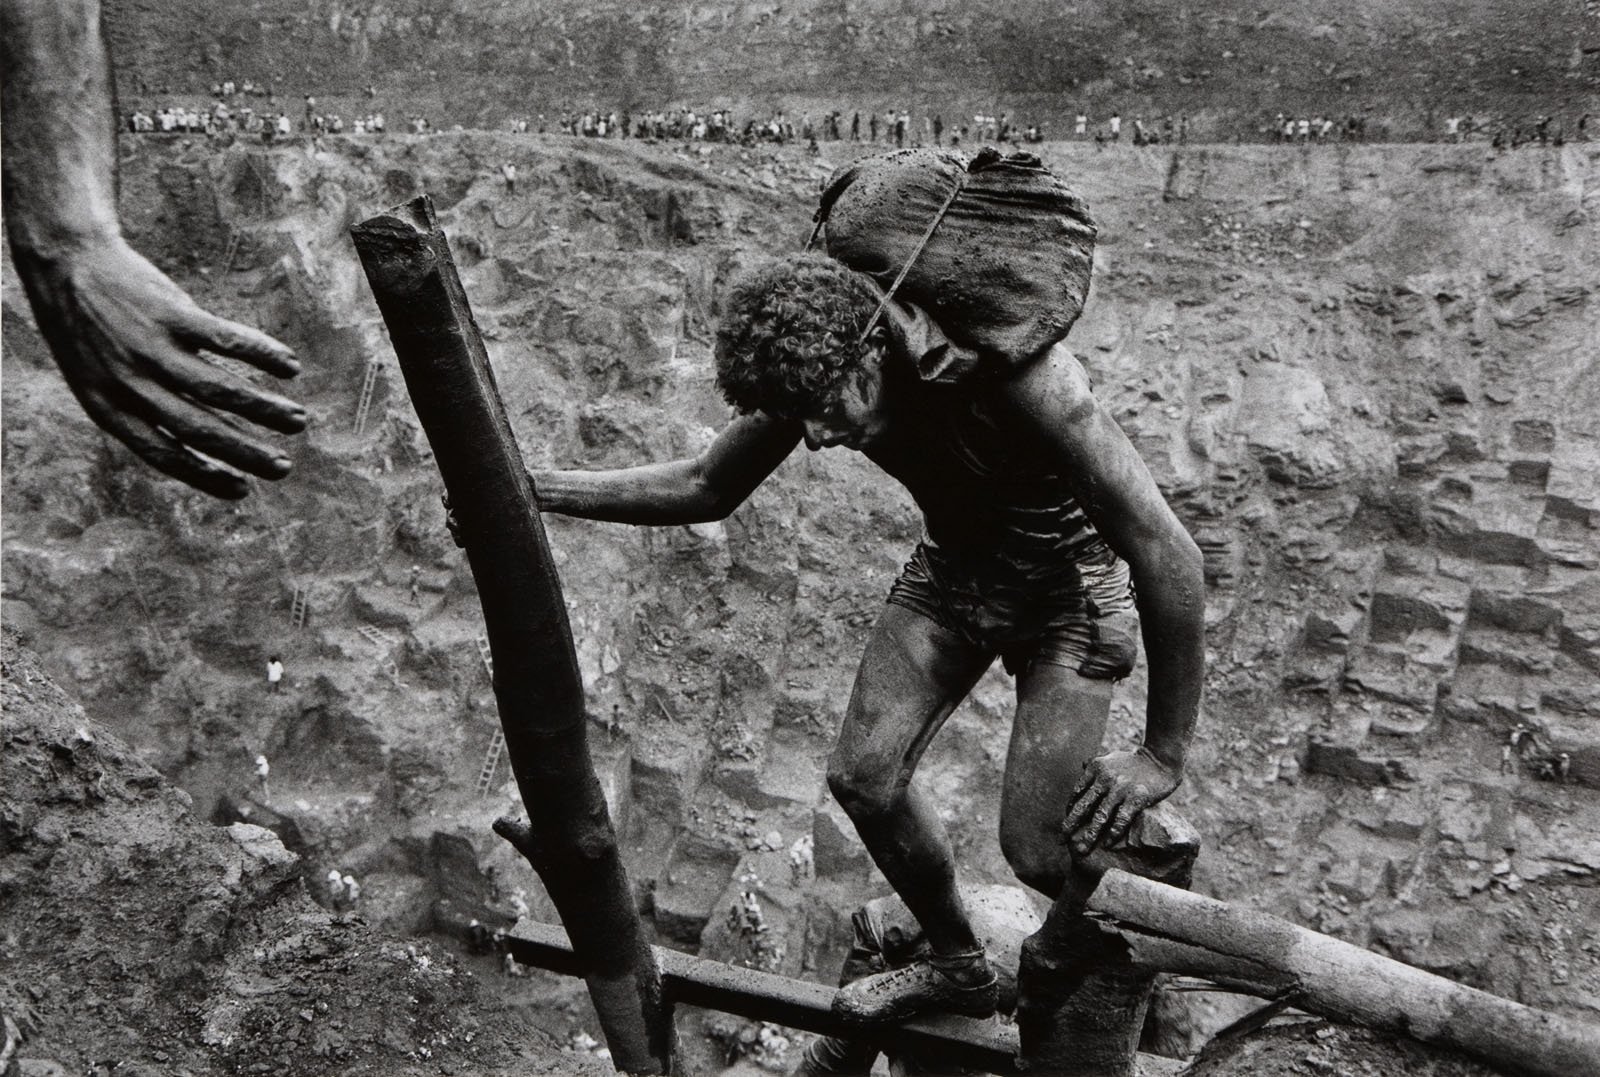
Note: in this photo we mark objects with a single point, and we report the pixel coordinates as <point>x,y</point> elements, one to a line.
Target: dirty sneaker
<point>957,983</point>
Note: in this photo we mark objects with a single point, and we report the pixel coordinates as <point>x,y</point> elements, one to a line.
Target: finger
<point>1126,815</point>
<point>1096,827</point>
<point>1091,773</point>
<point>215,387</point>
<point>163,453</point>
<point>1082,805</point>
<point>199,429</point>
<point>200,328</point>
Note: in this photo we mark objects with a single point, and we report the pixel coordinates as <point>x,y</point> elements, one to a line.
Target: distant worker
<point>1563,767</point>
<point>1080,125</point>
<point>416,584</point>
<point>274,674</point>
<point>1506,766</point>
<point>262,770</point>
<point>509,171</point>
<point>335,888</point>
<point>128,341</point>
<point>1115,126</point>
<point>352,890</point>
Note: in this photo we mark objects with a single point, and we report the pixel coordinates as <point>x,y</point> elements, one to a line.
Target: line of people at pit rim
<point>718,125</point>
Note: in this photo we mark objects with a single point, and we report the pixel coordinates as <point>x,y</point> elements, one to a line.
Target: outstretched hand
<point>129,342</point>
<point>1114,789</point>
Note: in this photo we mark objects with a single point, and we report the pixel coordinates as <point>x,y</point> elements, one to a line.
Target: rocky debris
<point>131,926</point>
<point>1296,1047</point>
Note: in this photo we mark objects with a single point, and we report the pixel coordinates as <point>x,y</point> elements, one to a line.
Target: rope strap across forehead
<point>933,225</point>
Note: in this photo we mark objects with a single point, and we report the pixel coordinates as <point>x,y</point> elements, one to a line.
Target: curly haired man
<point>1047,544</point>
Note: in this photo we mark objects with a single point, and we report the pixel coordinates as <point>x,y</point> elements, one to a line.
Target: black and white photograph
<point>727,538</point>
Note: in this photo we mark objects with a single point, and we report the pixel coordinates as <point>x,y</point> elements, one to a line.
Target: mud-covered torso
<point>988,494</point>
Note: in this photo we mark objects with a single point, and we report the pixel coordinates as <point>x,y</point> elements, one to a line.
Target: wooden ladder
<point>234,236</point>
<point>298,607</point>
<point>377,636</point>
<point>491,762</point>
<point>487,656</point>
<point>369,382</point>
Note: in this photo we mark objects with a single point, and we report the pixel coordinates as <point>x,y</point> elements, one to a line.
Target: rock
<point>1347,763</point>
<point>262,845</point>
<point>1474,821</point>
<point>1497,523</point>
<point>1288,420</point>
<point>665,774</point>
<point>1405,608</point>
<point>1357,879</point>
<point>836,848</point>
<point>1405,820</point>
<point>1330,632</point>
<point>688,891</point>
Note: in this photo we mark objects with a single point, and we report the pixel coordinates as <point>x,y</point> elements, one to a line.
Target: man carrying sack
<point>929,339</point>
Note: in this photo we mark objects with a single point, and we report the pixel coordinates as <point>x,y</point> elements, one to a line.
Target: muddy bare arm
<point>1052,397</point>
<point>692,490</point>
<point>127,339</point>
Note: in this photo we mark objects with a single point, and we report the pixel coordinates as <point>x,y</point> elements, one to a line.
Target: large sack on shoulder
<point>1006,272</point>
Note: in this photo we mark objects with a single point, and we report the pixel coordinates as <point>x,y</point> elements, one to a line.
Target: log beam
<point>1166,928</point>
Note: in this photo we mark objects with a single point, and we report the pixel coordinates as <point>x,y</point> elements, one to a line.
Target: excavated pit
<point>1363,375</point>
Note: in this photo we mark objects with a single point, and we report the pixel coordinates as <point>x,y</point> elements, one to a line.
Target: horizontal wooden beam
<point>987,1046</point>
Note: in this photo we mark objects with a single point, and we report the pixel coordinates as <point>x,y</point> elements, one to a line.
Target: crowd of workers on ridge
<point>894,127</point>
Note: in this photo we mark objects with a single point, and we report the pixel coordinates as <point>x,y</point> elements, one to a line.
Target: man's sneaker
<point>962,983</point>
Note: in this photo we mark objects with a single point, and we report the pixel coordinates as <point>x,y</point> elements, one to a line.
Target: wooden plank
<point>988,1046</point>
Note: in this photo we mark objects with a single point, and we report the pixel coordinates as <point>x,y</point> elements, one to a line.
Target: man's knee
<point>863,788</point>
<point>1039,863</point>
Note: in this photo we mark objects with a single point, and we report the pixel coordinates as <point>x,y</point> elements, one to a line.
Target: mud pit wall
<point>1364,376</point>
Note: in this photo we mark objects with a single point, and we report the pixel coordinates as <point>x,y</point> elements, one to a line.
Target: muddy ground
<point>1363,375</point>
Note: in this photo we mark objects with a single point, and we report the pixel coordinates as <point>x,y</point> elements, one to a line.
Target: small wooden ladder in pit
<point>491,762</point>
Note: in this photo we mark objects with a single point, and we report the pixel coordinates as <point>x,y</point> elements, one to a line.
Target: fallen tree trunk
<point>571,842</point>
<point>1168,929</point>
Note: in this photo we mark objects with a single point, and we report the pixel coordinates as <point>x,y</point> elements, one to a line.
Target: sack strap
<point>961,181</point>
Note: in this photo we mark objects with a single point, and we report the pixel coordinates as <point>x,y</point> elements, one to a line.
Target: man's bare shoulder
<point>1052,389</point>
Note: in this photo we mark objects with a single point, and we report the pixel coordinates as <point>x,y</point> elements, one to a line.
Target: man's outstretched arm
<point>693,490</point>
<point>127,339</point>
<point>1115,488</point>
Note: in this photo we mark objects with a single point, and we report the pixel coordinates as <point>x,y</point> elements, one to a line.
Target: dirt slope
<point>139,939</point>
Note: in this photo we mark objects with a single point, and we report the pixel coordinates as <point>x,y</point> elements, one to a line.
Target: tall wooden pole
<point>570,840</point>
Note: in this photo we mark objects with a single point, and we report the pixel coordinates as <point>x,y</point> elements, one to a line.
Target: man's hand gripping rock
<point>1114,789</point>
